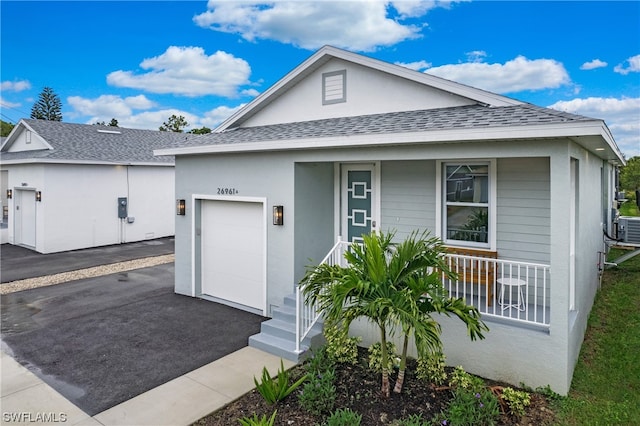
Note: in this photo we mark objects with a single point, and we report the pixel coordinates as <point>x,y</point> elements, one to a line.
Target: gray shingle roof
<point>473,116</point>
<point>84,143</point>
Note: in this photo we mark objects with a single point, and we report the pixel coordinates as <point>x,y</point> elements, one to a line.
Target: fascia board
<point>81,162</point>
<point>388,139</point>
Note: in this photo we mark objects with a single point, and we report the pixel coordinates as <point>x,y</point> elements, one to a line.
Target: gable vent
<point>334,87</point>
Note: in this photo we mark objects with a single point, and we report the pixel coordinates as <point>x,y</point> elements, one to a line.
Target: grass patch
<point>629,208</point>
<point>606,383</point>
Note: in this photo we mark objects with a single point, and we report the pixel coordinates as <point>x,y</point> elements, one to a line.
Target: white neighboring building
<point>62,183</point>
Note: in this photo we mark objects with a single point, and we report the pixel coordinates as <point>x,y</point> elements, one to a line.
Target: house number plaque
<point>227,191</point>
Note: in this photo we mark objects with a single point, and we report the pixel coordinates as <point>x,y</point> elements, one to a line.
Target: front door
<point>358,201</point>
<point>25,218</point>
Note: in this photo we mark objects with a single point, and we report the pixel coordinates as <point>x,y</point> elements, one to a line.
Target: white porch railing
<point>520,289</point>
<point>307,315</point>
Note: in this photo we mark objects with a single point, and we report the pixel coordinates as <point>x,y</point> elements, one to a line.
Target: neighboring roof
<point>92,144</point>
<point>326,53</point>
<point>455,124</point>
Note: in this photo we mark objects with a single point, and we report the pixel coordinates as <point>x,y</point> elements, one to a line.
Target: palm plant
<point>392,286</point>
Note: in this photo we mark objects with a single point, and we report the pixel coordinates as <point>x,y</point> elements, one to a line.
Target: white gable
<point>335,83</point>
<point>341,88</point>
<point>23,138</point>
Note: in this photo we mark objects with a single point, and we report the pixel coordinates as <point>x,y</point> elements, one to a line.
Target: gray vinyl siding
<point>407,196</point>
<point>314,207</point>
<point>523,209</point>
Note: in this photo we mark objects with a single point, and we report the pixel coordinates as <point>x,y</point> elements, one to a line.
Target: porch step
<point>278,335</point>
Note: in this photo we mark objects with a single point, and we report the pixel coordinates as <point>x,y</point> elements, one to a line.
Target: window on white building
<point>466,196</point>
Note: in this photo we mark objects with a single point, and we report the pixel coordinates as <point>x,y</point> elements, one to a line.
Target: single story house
<point>345,144</point>
<point>70,186</point>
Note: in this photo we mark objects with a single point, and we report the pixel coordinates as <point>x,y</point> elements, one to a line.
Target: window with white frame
<point>466,197</point>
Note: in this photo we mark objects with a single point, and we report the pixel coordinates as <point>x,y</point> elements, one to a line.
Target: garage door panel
<point>233,251</point>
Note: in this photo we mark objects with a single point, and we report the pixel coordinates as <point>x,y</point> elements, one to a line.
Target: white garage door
<point>233,258</point>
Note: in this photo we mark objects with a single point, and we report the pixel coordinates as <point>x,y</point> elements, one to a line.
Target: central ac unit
<point>629,229</point>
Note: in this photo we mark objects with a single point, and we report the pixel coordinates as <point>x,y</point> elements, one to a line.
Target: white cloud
<point>6,104</point>
<point>416,66</point>
<point>417,8</point>
<point>476,56</point>
<point>15,86</point>
<point>516,75</point>
<point>633,66</point>
<point>591,65</point>
<point>217,115</point>
<point>622,116</point>
<point>107,107</point>
<point>152,120</point>
<point>187,71</point>
<point>353,25</point>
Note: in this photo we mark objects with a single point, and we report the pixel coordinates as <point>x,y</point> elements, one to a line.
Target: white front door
<point>359,201</point>
<point>25,217</point>
<point>233,253</point>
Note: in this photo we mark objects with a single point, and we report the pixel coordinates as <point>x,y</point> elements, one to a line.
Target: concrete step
<point>278,334</point>
<point>285,313</point>
<point>283,348</point>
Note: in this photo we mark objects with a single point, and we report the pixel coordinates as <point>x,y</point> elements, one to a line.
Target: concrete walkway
<point>26,400</point>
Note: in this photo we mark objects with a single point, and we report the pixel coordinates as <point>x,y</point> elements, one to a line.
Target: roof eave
<point>547,131</point>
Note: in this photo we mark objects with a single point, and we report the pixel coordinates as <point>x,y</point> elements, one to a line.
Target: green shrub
<point>375,357</point>
<point>258,421</point>
<point>318,395</point>
<point>468,408</point>
<point>318,362</point>
<point>460,379</point>
<point>344,417</point>
<point>274,390</point>
<point>340,347</point>
<point>432,369</point>
<point>517,401</point>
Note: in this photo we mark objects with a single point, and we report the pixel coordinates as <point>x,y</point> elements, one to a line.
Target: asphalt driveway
<point>103,340</point>
<point>19,263</point>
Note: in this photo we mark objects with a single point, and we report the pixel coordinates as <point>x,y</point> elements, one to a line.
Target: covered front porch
<point>512,292</point>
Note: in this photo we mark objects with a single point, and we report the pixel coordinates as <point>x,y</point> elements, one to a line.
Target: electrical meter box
<point>122,207</point>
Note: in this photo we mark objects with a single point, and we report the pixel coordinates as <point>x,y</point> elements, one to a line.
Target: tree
<point>630,174</point>
<point>393,286</point>
<point>112,123</point>
<point>5,128</point>
<point>202,131</point>
<point>48,106</point>
<point>421,264</point>
<point>174,124</point>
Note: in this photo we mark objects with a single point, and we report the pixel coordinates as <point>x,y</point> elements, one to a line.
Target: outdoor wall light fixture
<point>181,207</point>
<point>38,196</point>
<point>278,215</point>
<point>9,193</point>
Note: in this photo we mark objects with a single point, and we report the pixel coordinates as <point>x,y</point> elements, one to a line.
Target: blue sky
<point>141,62</point>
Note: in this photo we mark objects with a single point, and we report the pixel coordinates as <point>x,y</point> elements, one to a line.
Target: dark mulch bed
<point>358,388</point>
